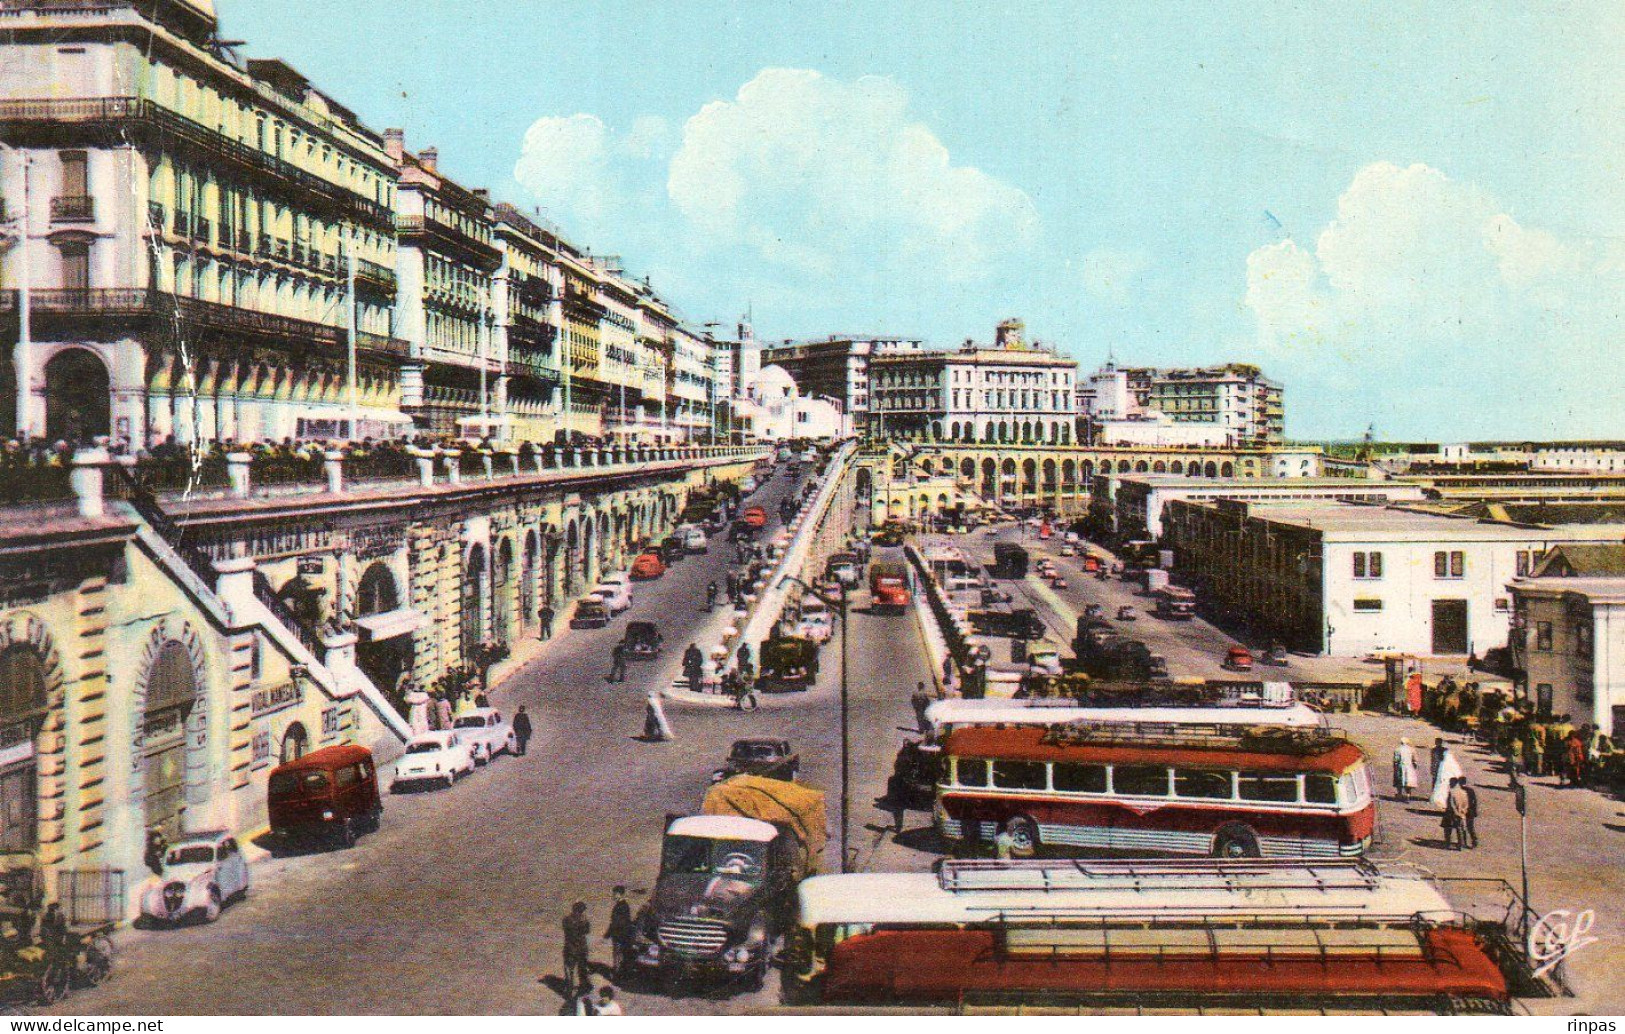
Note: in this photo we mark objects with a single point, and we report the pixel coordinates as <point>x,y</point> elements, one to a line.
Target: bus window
<point>1196,783</point>
<point>1079,778</point>
<point>1019,775</point>
<point>1320,788</point>
<point>1264,786</point>
<point>970,771</point>
<point>1140,780</point>
<point>1356,785</point>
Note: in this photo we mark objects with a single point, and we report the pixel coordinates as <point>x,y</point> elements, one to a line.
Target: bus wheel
<point>1235,842</point>
<point>1023,837</point>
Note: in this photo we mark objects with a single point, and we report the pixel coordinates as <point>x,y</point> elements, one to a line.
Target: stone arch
<point>528,582</point>
<point>1227,470</point>
<point>30,687</point>
<point>1194,469</point>
<point>1105,467</point>
<point>1211,469</point>
<point>967,469</point>
<point>383,661</point>
<point>1159,467</point>
<point>1141,467</point>
<point>990,477</point>
<point>1088,474</point>
<point>1177,467</point>
<point>475,596</point>
<point>1029,476</point>
<point>295,743</point>
<point>572,557</point>
<point>1069,475</point>
<point>502,591</point>
<point>865,485</point>
<point>78,396</point>
<point>172,724</point>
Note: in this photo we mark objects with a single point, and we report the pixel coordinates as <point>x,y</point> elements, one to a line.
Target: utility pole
<point>23,357</point>
<point>350,329</point>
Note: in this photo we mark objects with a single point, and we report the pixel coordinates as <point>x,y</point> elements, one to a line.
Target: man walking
<point>921,699</point>
<point>1471,817</point>
<point>521,731</point>
<point>1455,815</point>
<point>617,663</point>
<point>577,963</point>
<point>619,933</point>
<point>1436,759</point>
<point>1404,770</point>
<point>544,618</point>
<point>693,666</point>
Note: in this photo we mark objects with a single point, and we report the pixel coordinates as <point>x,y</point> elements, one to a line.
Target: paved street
<point>475,880</point>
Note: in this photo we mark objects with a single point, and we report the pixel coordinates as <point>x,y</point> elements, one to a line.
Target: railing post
<point>488,461</point>
<point>333,470</point>
<point>238,466</point>
<point>425,462</point>
<point>86,479</point>
<point>454,466</point>
<point>234,584</point>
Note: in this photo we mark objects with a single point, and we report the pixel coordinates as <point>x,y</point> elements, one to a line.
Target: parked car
<point>617,595</point>
<point>487,732</point>
<point>673,549</point>
<point>648,566</point>
<point>642,640</point>
<point>1044,659</point>
<point>816,621</point>
<point>1127,614</point>
<point>1238,658</point>
<point>755,516</point>
<point>1069,550</point>
<point>434,757</point>
<point>788,662</point>
<point>772,759</point>
<point>203,872</point>
<point>590,612</point>
<point>694,539</point>
<point>331,793</point>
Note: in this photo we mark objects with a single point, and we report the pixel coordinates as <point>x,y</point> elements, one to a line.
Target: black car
<point>772,759</point>
<point>642,640</point>
<point>672,549</point>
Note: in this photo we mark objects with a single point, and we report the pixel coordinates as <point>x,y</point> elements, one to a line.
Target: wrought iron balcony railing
<point>73,208</point>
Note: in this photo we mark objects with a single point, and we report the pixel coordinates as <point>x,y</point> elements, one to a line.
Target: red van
<point>330,793</point>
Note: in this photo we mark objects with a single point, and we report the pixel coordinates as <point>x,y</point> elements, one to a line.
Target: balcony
<point>479,253</point>
<point>171,126</point>
<point>73,208</point>
<point>531,364</point>
<point>373,274</point>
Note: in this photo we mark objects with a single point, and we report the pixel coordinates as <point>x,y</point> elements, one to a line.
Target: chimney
<point>429,157</point>
<point>395,144</point>
<point>483,193</point>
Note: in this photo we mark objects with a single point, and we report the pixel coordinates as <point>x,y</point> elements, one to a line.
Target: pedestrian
<point>1413,692</point>
<point>157,847</point>
<point>619,932</point>
<point>1404,770</point>
<point>617,663</point>
<point>577,952</point>
<point>521,731</point>
<point>655,727</point>
<point>606,1004</point>
<point>921,699</point>
<point>1455,815</point>
<point>897,800</point>
<point>744,690</point>
<point>1448,768</point>
<point>544,618</point>
<point>693,666</point>
<point>442,711</point>
<point>1575,758</point>
<point>1436,758</point>
<point>711,596</point>
<point>1472,813</point>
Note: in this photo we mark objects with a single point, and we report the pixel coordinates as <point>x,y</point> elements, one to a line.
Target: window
<point>970,772</point>
<point>1543,635</point>
<point>346,776</point>
<point>1582,639</point>
<point>1543,700</point>
<point>1451,564</point>
<point>1320,788</point>
<point>75,265</point>
<point>1212,785</point>
<point>1080,778</point>
<point>1367,565</point>
<point>1020,775</point>
<point>1268,786</point>
<point>1367,606</point>
<point>1140,780</point>
<point>75,182</point>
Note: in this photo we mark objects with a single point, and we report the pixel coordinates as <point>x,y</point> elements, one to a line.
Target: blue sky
<point>1407,212</point>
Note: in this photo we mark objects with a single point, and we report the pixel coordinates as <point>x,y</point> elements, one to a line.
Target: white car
<point>616,592</point>
<point>1044,659</point>
<point>434,757</point>
<point>1069,550</point>
<point>694,540</point>
<point>487,732</point>
<point>1071,538</point>
<point>747,486</point>
<point>202,872</point>
<point>816,622</point>
<point>846,574</point>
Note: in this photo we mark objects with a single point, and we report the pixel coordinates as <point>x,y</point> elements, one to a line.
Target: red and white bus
<point>1228,791</point>
<point>1175,603</point>
<point>1181,934</point>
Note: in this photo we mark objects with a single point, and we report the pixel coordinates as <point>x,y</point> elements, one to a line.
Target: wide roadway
<point>454,906</point>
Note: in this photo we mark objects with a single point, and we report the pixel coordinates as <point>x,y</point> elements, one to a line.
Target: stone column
<point>86,479</point>
<point>333,470</point>
<point>454,466</point>
<point>234,584</point>
<point>237,469</point>
<point>425,462</point>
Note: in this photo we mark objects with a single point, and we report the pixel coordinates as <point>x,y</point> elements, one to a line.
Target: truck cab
<point>720,901</point>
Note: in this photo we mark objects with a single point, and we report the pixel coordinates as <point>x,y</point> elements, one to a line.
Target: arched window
<point>171,695</point>
<point>76,396</point>
<point>22,709</point>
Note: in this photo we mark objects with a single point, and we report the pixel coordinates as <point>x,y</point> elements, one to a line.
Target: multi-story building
<point>446,308</point>
<point>183,232</point>
<point>1229,405</point>
<point>837,368</point>
<point>1008,393</point>
<point>524,292</point>
<point>1139,500</point>
<point>1350,580</point>
<point>1568,634</point>
<point>691,405</point>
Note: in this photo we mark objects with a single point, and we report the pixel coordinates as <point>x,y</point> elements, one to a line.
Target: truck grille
<point>696,938</point>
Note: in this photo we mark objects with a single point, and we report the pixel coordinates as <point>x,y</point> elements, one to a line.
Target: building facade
<point>838,368</point>
<point>1568,635</point>
<point>1233,404</point>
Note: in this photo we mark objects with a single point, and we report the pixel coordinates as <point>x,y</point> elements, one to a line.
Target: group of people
<point>1449,790</point>
<point>583,998</point>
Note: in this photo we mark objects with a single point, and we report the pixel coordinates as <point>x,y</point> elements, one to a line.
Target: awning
<point>390,624</point>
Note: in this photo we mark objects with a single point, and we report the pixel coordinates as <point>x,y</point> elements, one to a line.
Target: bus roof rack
<point>1117,875</point>
<point>1315,739</point>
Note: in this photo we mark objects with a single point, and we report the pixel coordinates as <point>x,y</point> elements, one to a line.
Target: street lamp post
<point>840,605</point>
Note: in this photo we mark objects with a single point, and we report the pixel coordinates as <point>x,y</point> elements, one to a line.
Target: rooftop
<point>1354,522</point>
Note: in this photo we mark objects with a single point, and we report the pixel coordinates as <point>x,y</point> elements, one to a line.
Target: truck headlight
<point>327,816</point>
<point>738,953</point>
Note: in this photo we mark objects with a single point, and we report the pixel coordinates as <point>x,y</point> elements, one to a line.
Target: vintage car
<point>616,592</point>
<point>441,757</point>
<point>202,873</point>
<point>694,539</point>
<point>673,549</point>
<point>648,566</point>
<point>760,757</point>
<point>642,640</point>
<point>755,516</point>
<point>487,732</point>
<point>816,621</point>
<point>846,569</point>
<point>331,793</point>
<point>591,612</point>
<point>1238,658</point>
<point>1068,550</point>
<point>1044,659</point>
<point>789,662</point>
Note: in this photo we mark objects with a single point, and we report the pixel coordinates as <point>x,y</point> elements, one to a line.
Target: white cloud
<point>820,175</point>
<point>565,162</point>
<point>1108,273</point>
<point>1423,294</point>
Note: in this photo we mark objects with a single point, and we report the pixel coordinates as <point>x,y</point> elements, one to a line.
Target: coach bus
<point>1181,934</point>
<point>1231,791</point>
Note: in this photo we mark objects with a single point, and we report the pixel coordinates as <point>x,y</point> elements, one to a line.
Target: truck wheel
<point>1235,841</point>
